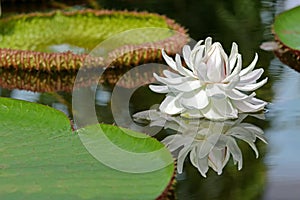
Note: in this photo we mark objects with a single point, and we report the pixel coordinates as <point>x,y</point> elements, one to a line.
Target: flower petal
<point>197,45</point>
<point>173,142</point>
<point>170,74</point>
<point>158,123</point>
<point>245,135</point>
<point>251,87</point>
<point>195,100</point>
<point>245,106</point>
<point>257,101</point>
<point>159,88</point>
<point>225,108</point>
<point>202,166</point>
<point>187,86</point>
<point>181,157</point>
<point>186,51</point>
<point>169,60</point>
<point>197,56</point>
<point>172,81</point>
<point>225,68</point>
<point>232,83</point>
<point>235,152</point>
<point>220,109</point>
<point>252,76</point>
<point>233,56</point>
<point>210,112</point>
<point>215,161</point>
<point>236,70</point>
<point>237,95</point>
<point>182,70</point>
<point>197,53</point>
<point>208,42</point>
<point>258,132</point>
<point>215,91</point>
<point>201,72</point>
<point>200,163</point>
<point>205,147</point>
<point>170,105</point>
<point>215,63</point>
<point>250,67</point>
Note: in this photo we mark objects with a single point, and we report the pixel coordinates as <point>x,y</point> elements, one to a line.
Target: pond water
<point>275,174</point>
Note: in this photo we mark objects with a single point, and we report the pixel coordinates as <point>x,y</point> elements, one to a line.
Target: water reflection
<point>36,81</point>
<point>102,97</point>
<point>66,47</point>
<point>284,117</point>
<point>25,95</point>
<point>210,144</point>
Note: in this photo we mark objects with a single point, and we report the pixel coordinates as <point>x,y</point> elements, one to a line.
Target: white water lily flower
<point>213,86</point>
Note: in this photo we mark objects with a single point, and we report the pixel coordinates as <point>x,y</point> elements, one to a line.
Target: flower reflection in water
<point>208,143</point>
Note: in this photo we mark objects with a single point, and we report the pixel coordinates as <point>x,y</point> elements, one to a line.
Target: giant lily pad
<point>287,33</point>
<point>42,158</point>
<point>28,40</point>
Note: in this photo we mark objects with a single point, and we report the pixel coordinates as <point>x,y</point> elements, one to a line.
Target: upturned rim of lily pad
<point>67,61</point>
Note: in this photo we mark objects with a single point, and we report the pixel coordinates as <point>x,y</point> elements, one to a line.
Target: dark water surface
<point>275,174</point>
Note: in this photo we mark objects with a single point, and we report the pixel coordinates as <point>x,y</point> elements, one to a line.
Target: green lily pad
<point>85,29</point>
<point>287,34</point>
<point>42,158</point>
<point>44,41</point>
<point>287,28</point>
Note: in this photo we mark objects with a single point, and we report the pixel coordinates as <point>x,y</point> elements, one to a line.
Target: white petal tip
<point>208,39</point>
